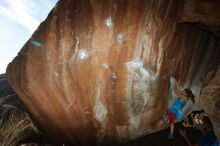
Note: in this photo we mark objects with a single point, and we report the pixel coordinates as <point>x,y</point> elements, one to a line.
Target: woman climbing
<point>175,112</point>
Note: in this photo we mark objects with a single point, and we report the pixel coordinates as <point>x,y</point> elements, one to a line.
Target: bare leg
<point>170,136</point>
<point>171,129</point>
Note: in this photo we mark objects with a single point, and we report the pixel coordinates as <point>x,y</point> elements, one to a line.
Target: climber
<point>175,112</point>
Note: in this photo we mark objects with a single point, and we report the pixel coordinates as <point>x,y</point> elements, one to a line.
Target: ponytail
<point>190,94</point>
<point>192,97</point>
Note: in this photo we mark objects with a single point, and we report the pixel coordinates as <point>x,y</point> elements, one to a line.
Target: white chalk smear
<point>83,54</point>
<point>120,38</point>
<point>108,22</point>
<point>137,67</point>
<point>105,66</point>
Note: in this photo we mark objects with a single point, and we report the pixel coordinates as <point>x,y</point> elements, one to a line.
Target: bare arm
<point>177,89</point>
<point>176,86</point>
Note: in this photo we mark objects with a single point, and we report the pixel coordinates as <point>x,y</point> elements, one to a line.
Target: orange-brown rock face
<point>98,71</point>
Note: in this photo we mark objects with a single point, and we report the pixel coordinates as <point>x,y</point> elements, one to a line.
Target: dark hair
<point>207,122</point>
<point>190,94</point>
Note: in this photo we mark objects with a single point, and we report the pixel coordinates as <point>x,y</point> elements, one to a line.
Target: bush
<point>14,125</point>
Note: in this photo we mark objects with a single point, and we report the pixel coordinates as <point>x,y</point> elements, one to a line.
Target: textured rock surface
<point>205,13</point>
<point>99,71</point>
<point>210,98</point>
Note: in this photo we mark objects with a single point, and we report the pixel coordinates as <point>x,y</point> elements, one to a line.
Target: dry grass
<point>14,126</point>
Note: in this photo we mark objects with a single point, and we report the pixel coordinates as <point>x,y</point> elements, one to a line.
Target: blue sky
<point>18,20</point>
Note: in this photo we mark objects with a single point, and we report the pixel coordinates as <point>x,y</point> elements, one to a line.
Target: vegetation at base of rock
<point>15,127</point>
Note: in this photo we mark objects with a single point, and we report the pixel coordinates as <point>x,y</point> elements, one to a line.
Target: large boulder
<point>99,71</point>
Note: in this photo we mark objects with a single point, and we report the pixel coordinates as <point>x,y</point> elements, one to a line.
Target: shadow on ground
<point>160,138</point>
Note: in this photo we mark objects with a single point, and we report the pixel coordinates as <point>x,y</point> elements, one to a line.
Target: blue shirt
<point>177,107</point>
